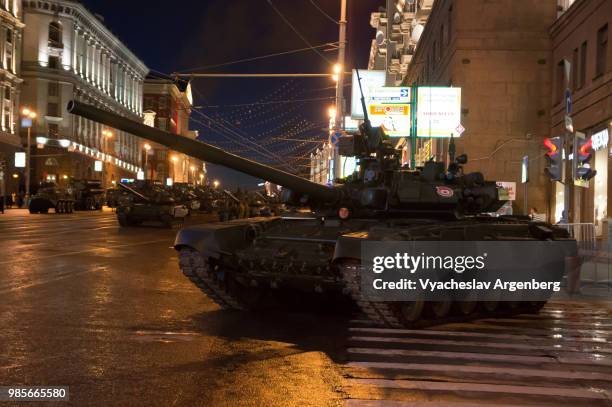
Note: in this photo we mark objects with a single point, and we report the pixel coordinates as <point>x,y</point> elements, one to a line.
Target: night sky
<point>196,35</point>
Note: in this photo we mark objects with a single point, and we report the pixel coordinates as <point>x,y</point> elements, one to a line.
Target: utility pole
<point>340,84</point>
<point>568,144</point>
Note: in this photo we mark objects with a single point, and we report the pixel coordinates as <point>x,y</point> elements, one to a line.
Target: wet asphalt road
<point>105,311</point>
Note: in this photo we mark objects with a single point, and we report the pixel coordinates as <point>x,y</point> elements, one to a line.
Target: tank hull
<point>237,262</point>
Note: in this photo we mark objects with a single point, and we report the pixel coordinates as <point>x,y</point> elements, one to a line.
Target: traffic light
<point>554,158</point>
<point>582,167</point>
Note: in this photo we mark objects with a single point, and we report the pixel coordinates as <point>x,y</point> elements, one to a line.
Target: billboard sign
<point>389,108</point>
<point>369,80</point>
<point>510,187</point>
<point>20,160</point>
<point>438,112</point>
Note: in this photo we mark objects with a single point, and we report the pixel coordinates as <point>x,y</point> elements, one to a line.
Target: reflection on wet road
<point>104,310</point>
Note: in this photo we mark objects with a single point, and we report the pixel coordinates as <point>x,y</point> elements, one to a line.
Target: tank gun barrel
<point>206,152</point>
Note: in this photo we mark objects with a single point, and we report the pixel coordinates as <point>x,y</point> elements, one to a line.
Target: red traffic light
<point>584,148</point>
<point>551,146</point>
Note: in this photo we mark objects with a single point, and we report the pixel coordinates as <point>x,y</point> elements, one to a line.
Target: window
<point>53,62</point>
<point>53,130</point>
<point>53,109</point>
<point>450,24</point>
<point>559,88</point>
<point>53,89</point>
<point>583,59</point>
<point>602,49</point>
<point>435,51</point>
<point>8,50</point>
<point>8,123</point>
<point>575,69</point>
<point>55,34</point>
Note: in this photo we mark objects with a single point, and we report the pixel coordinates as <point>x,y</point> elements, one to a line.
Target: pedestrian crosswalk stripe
<point>484,388</point>
<point>486,370</point>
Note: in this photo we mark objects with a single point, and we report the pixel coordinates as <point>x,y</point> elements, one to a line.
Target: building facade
<point>11,30</point>
<point>498,52</point>
<point>168,104</point>
<point>68,53</point>
<point>581,39</point>
<point>398,30</point>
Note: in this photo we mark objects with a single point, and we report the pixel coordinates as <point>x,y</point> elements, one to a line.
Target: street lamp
<point>201,178</point>
<point>28,115</point>
<point>336,74</point>
<point>174,161</point>
<point>192,169</point>
<point>107,134</point>
<point>216,183</point>
<point>147,148</point>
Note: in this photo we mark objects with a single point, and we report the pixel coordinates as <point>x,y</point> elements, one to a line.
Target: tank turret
<point>379,187</point>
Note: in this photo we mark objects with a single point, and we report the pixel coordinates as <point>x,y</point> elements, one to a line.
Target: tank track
<point>388,314</point>
<point>198,270</point>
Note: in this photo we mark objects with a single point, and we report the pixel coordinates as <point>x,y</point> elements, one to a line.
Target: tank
<point>148,202</point>
<point>51,196</point>
<point>88,194</point>
<point>315,250</point>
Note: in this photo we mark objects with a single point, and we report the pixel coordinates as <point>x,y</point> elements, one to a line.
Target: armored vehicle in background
<point>88,194</point>
<point>185,194</point>
<point>51,196</point>
<point>148,202</point>
<point>243,262</point>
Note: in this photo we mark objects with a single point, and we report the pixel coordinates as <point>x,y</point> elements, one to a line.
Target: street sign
<point>389,108</point>
<point>26,122</point>
<point>600,140</point>
<point>525,170</point>
<point>333,139</point>
<point>389,94</point>
<point>569,124</point>
<point>460,129</point>
<point>568,102</point>
<point>510,187</point>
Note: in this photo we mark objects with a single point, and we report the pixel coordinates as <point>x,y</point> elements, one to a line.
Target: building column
<point>75,48</point>
<point>87,57</point>
<point>2,107</point>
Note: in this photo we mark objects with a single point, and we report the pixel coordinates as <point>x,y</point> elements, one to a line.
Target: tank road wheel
<point>466,305</point>
<point>250,297</point>
<point>533,307</point>
<point>411,311</point>
<point>438,309</point>
<point>489,306</point>
<point>199,271</point>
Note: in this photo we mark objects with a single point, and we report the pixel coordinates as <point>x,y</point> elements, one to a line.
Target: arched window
<point>55,34</point>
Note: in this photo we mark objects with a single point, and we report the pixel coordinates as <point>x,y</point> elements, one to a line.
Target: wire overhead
<point>330,18</point>
<point>295,30</point>
<point>277,54</point>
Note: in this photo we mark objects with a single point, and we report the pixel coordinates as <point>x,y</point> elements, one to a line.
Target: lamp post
<point>28,115</point>
<point>146,147</point>
<point>216,184</point>
<point>192,168</point>
<point>174,161</point>
<point>107,134</point>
